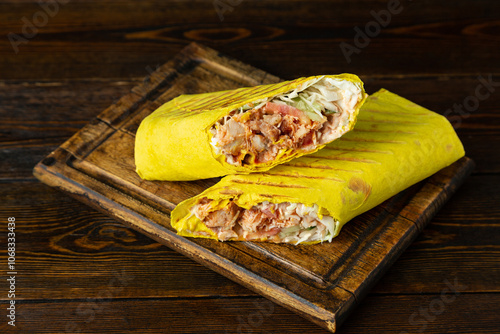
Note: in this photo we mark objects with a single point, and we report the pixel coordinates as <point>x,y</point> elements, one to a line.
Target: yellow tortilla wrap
<point>394,145</point>
<point>173,143</point>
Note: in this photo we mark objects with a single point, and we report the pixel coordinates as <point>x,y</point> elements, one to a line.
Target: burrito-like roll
<point>245,130</point>
<point>395,144</point>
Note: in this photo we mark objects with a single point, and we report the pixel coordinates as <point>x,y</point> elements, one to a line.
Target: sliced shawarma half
<point>395,144</point>
<point>247,129</point>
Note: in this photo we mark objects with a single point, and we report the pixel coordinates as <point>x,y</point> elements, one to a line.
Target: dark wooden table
<point>62,63</point>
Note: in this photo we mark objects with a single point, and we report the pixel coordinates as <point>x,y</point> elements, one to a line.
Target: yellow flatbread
<point>394,145</point>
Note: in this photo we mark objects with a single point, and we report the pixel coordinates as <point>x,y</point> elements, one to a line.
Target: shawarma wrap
<point>245,130</point>
<point>394,145</point>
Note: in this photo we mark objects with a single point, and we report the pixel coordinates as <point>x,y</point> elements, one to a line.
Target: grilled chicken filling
<point>309,116</point>
<point>283,222</point>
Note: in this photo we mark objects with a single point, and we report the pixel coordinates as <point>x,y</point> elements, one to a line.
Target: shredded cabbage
<point>312,110</point>
<point>288,231</point>
<point>315,98</point>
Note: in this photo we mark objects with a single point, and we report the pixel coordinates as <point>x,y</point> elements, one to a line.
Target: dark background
<point>78,57</point>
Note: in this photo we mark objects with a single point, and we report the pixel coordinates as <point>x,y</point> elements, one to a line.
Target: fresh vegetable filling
<point>282,222</point>
<point>313,114</point>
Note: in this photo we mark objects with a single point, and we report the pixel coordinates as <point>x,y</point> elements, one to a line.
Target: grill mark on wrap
<point>194,104</point>
<point>355,150</point>
<point>277,185</point>
<point>180,113</point>
<point>388,122</point>
<point>321,167</point>
<point>384,131</point>
<point>213,102</point>
<point>363,140</point>
<point>273,196</point>
<point>404,114</point>
<point>364,161</point>
<point>304,176</point>
<point>188,106</point>
<point>231,192</point>
<point>186,109</point>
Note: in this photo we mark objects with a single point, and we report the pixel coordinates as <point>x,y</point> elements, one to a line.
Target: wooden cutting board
<point>322,283</point>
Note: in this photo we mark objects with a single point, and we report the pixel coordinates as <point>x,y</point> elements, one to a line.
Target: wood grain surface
<point>91,53</point>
